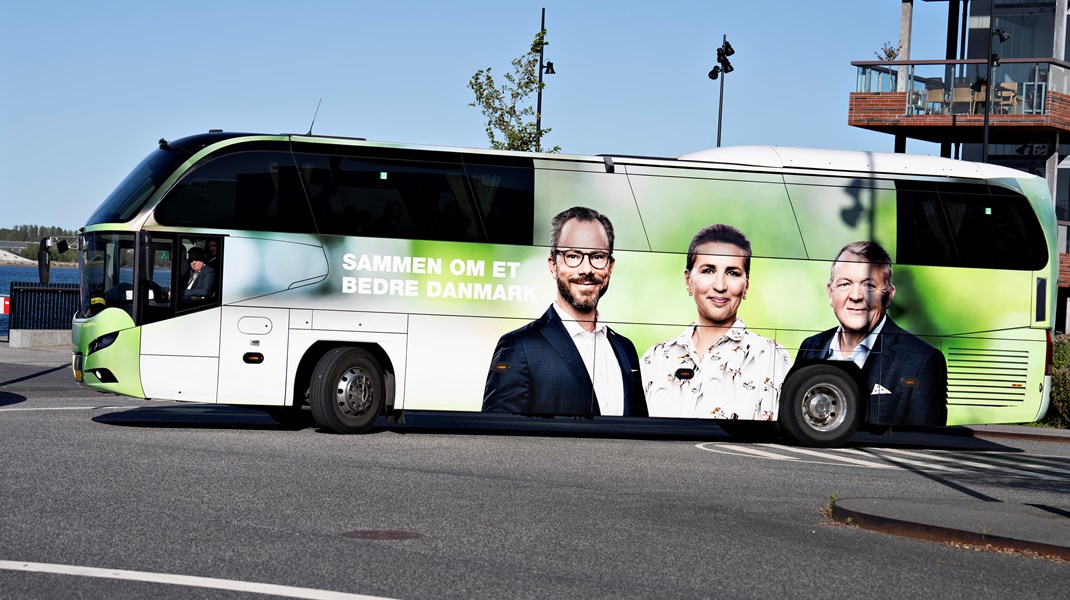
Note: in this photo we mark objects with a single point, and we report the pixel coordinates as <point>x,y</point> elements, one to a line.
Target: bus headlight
<point>102,342</point>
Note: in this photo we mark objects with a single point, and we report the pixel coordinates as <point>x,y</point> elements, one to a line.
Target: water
<point>8,275</point>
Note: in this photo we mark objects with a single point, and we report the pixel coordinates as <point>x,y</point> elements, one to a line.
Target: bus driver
<point>201,281</point>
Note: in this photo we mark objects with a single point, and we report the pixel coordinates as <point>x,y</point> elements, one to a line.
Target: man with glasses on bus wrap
<point>567,362</point>
<point>905,377</point>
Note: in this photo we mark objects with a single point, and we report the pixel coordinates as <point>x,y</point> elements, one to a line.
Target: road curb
<point>1013,435</point>
<point>937,533</point>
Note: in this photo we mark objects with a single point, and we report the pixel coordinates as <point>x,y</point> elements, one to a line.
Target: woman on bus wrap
<point>716,368</point>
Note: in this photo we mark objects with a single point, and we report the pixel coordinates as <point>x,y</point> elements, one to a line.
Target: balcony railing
<point>955,87</point>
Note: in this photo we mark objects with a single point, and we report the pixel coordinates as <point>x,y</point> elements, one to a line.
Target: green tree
<point>888,52</point>
<point>508,107</point>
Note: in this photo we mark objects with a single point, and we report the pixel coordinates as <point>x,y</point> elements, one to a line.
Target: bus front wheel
<point>346,391</point>
<point>819,407</point>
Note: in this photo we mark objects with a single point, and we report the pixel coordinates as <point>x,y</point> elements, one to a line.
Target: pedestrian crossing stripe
<point>951,462</point>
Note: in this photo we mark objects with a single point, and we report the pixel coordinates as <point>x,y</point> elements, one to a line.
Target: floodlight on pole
<point>548,68</point>
<point>721,69</point>
<point>993,61</point>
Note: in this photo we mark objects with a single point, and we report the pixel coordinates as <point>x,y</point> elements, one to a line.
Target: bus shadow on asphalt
<point>643,428</point>
<point>189,416</point>
<point>10,399</point>
<point>211,416</point>
<point>208,416</point>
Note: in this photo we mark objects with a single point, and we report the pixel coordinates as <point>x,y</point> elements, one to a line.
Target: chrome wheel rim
<point>354,392</point>
<point>824,407</point>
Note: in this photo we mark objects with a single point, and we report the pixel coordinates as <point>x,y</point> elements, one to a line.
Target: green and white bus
<point>352,279</point>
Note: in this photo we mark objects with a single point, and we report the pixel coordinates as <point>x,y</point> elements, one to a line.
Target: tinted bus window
<point>962,225</point>
<point>505,196</point>
<point>128,198</point>
<point>257,191</point>
<point>390,198</point>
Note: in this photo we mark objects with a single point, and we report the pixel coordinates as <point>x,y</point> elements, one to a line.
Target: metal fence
<point>42,306</point>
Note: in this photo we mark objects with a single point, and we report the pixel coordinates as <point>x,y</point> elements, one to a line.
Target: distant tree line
<point>32,234</point>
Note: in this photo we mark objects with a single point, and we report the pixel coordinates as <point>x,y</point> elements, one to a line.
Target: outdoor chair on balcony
<point>964,100</point>
<point>934,101</point>
<point>1006,98</point>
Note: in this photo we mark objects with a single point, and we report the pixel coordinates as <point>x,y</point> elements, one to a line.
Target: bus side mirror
<point>44,260</point>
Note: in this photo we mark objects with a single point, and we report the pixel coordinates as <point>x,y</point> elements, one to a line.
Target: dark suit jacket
<point>537,370</point>
<point>203,287</point>
<point>898,357</point>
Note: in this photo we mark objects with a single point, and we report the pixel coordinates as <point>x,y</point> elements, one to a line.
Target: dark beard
<point>581,305</point>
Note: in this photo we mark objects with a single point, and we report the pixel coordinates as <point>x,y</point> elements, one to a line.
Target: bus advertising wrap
<point>575,287</point>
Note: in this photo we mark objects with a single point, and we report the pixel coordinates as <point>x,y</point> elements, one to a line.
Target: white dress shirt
<point>600,360</point>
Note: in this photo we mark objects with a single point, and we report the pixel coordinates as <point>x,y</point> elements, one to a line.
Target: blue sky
<point>87,88</point>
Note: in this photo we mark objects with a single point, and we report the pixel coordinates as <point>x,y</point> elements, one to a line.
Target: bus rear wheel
<point>346,392</point>
<point>819,407</point>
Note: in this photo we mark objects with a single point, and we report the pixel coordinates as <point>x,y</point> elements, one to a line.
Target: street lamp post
<point>549,70</point>
<point>723,67</point>
<point>993,61</point>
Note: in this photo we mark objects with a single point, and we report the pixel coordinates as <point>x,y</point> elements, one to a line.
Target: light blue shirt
<point>861,352</point>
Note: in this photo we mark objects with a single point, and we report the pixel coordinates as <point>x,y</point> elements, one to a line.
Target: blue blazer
<point>202,288</point>
<point>536,370</point>
<point>905,378</point>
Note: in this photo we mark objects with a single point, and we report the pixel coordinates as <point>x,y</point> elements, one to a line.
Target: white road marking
<point>184,580</point>
<point>981,465</point>
<point>956,462</point>
<point>747,450</point>
<point>848,460</point>
<point>1035,462</point>
<point>905,461</point>
<point>734,450</point>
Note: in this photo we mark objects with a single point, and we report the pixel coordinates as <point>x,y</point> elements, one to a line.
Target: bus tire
<point>346,392</point>
<point>819,406</point>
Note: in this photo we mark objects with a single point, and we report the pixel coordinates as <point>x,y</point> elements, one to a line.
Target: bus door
<point>179,317</point>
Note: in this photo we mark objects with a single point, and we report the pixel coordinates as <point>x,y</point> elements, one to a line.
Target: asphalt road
<point>461,507</point>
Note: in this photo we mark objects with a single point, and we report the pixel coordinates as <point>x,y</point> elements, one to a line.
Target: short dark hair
<point>870,252</point>
<point>580,213</point>
<point>719,233</point>
<point>195,253</point>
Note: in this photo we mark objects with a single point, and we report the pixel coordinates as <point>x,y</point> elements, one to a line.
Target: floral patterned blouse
<point>738,378</point>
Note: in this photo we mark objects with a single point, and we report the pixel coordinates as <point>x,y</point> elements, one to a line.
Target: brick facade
<point>887,112</point>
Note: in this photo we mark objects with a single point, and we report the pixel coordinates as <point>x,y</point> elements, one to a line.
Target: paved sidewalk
<point>44,356</point>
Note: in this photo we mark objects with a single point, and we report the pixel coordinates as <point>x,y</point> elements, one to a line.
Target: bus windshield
<point>106,262</point>
<point>128,198</point>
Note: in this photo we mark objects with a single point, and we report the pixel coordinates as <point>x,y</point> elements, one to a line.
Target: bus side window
<point>157,280</point>
<point>505,197</point>
<point>198,282</point>
<point>390,198</point>
<point>967,225</point>
<point>257,191</point>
